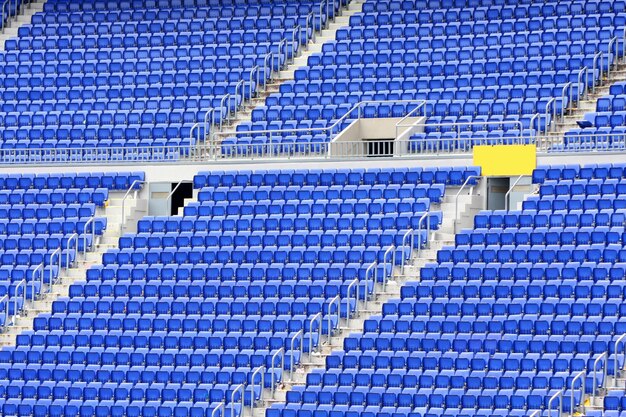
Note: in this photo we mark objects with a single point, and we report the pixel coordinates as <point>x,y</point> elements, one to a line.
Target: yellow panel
<point>506,160</point>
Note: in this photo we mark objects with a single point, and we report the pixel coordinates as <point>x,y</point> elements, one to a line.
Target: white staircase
<point>586,105</point>
<point>23,18</point>
<point>287,74</point>
<point>113,213</point>
<point>469,204</point>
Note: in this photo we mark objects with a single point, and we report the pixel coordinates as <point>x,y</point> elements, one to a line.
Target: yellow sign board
<point>506,160</point>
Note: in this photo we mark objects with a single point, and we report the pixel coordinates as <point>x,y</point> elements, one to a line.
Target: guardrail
<point>284,148</point>
<point>335,301</point>
<point>292,363</point>
<point>582,374</point>
<point>5,299</point>
<point>316,318</point>
<point>508,193</point>
<point>131,188</point>
<point>93,235</point>
<point>616,353</point>
<point>456,198</point>
<point>16,298</point>
<point>373,266</point>
<point>559,396</point>
<point>354,283</point>
<point>261,370</point>
<point>595,369</point>
<point>34,280</point>
<point>281,352</point>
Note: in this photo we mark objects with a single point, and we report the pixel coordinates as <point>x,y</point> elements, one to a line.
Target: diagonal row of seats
<point>191,307</point>
<point>512,314</point>
<point>491,67</point>
<point>108,75</point>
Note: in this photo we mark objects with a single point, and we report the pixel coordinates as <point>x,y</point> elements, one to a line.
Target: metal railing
<point>456,198</point>
<point>16,298</point>
<point>292,362</point>
<point>260,369</point>
<point>59,253</point>
<point>169,196</point>
<point>68,255</point>
<point>219,407</point>
<point>508,193</point>
<point>616,370</point>
<point>34,281</point>
<point>425,216</point>
<point>316,318</point>
<point>582,374</point>
<point>242,392</point>
<point>409,233</point>
<point>595,369</point>
<point>354,283</point>
<point>131,188</point>
<point>373,266</point>
<point>337,302</point>
<point>330,130</point>
<point>391,250</point>
<point>559,396</point>
<point>5,299</point>
<point>281,352</point>
<point>93,235</point>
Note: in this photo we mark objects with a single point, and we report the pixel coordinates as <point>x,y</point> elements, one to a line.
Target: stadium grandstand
<point>312,208</point>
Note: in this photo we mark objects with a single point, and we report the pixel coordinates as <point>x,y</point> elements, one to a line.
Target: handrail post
<point>93,235</point>
<point>292,363</point>
<point>280,351</point>
<point>68,258</point>
<point>336,300</point>
<point>563,105</point>
<point>242,390</point>
<point>260,369</point>
<point>40,269</point>
<point>595,65</point>
<point>559,395</point>
<point>227,115</point>
<point>132,186</point>
<point>595,368</point>
<point>5,299</point>
<point>169,196</point>
<point>622,337</point>
<point>392,250</point>
<point>411,234</point>
<point>611,44</point>
<point>573,388</point>
<point>355,282</point>
<point>208,113</point>
<point>456,199</point>
<point>220,406</point>
<point>318,318</point>
<point>373,265</point>
<point>580,73</point>
<point>506,196</point>
<point>59,254</point>
<point>548,104</point>
<point>425,216</point>
<point>22,283</point>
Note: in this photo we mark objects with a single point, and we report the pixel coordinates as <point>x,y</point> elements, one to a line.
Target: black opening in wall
<point>185,190</point>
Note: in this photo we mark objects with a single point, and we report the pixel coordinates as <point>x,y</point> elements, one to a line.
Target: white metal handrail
<point>409,234</point>
<point>292,362</point>
<point>59,252</point>
<point>281,352</point>
<point>5,299</point>
<point>242,392</point>
<point>260,369</point>
<point>220,406</point>
<point>616,352</point>
<point>354,283</point>
<point>34,280</point>
<point>558,395</point>
<point>335,301</point>
<point>316,318</point>
<point>456,199</point>
<point>582,374</point>
<point>604,355</point>
<point>132,186</point>
<point>169,196</point>
<point>93,235</point>
<point>357,107</point>
<point>373,266</point>
<point>508,193</point>
<point>22,284</point>
<point>68,258</point>
<point>392,250</point>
